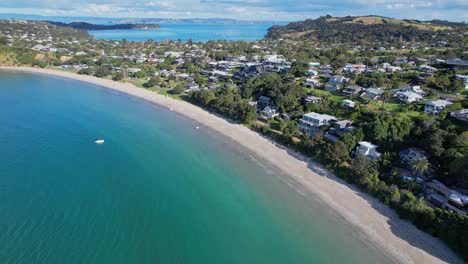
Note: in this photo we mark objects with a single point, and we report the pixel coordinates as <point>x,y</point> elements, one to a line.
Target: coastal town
<point>389,115</point>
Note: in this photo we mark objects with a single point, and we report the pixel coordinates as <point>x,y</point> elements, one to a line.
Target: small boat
<point>197,127</point>
<point>99,141</point>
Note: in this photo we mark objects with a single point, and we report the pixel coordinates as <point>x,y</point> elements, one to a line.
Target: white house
<point>349,103</point>
<point>311,82</point>
<point>436,107</point>
<point>408,97</point>
<point>311,122</point>
<point>269,112</point>
<point>368,149</point>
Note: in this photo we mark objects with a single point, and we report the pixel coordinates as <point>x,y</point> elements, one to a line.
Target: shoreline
<point>399,239</point>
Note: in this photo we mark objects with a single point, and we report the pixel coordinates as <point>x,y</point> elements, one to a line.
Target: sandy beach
<point>397,238</point>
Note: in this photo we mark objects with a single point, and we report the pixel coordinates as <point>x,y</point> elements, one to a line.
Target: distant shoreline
<point>377,222</point>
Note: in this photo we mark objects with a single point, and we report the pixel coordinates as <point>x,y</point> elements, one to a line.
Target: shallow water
<point>157,191</point>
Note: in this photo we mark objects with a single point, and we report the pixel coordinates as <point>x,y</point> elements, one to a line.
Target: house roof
<point>439,102</point>
<point>457,62</point>
<point>367,144</point>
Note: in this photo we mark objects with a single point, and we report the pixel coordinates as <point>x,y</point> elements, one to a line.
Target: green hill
<point>365,29</point>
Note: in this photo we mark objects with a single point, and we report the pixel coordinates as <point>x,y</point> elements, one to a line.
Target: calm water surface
<point>185,31</point>
<point>158,191</point>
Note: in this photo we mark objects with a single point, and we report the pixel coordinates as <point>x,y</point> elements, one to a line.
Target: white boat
<point>99,141</point>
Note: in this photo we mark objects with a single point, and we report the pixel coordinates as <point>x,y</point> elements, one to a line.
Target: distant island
<point>89,26</point>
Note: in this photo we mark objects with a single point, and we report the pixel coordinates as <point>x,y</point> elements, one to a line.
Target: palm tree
<point>385,97</point>
<point>420,166</point>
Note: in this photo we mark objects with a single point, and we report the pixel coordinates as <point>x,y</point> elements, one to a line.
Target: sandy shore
<point>399,239</point>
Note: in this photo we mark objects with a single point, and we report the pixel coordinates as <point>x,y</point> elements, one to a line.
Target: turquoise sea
<point>184,31</point>
<point>157,191</point>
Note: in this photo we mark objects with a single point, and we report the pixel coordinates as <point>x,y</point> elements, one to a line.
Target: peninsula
<point>89,26</point>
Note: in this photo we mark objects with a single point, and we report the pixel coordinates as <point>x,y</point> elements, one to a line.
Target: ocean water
<point>184,31</point>
<point>157,191</point>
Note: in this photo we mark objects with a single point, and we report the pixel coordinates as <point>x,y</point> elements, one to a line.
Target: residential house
<point>311,82</point>
<point>311,122</point>
<point>312,99</point>
<point>132,71</point>
<point>351,90</point>
<point>408,97</point>
<point>368,149</point>
<point>461,115</point>
<point>436,107</point>
<point>339,129</point>
<point>457,63</point>
<point>337,80</point>
<point>439,195</point>
<point>269,112</point>
<point>354,68</point>
<point>349,103</point>
<point>372,93</point>
<point>192,86</point>
<point>409,155</point>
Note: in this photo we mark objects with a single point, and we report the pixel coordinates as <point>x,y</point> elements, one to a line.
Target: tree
<point>385,97</point>
<point>117,76</point>
<point>153,81</point>
<point>336,153</point>
<point>420,166</point>
<point>178,89</point>
<point>298,69</point>
<point>102,71</point>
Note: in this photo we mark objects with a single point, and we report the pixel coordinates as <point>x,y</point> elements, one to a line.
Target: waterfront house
<point>439,195</point>
<point>311,122</point>
<point>368,149</point>
<point>338,129</point>
<point>436,107</point>
<point>269,112</point>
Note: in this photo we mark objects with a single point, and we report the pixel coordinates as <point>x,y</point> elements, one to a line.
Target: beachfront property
<point>368,149</point>
<point>439,195</point>
<point>338,129</point>
<point>310,123</point>
<point>436,107</point>
<point>269,112</point>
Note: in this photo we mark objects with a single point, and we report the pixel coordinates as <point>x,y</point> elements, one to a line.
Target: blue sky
<point>453,10</point>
